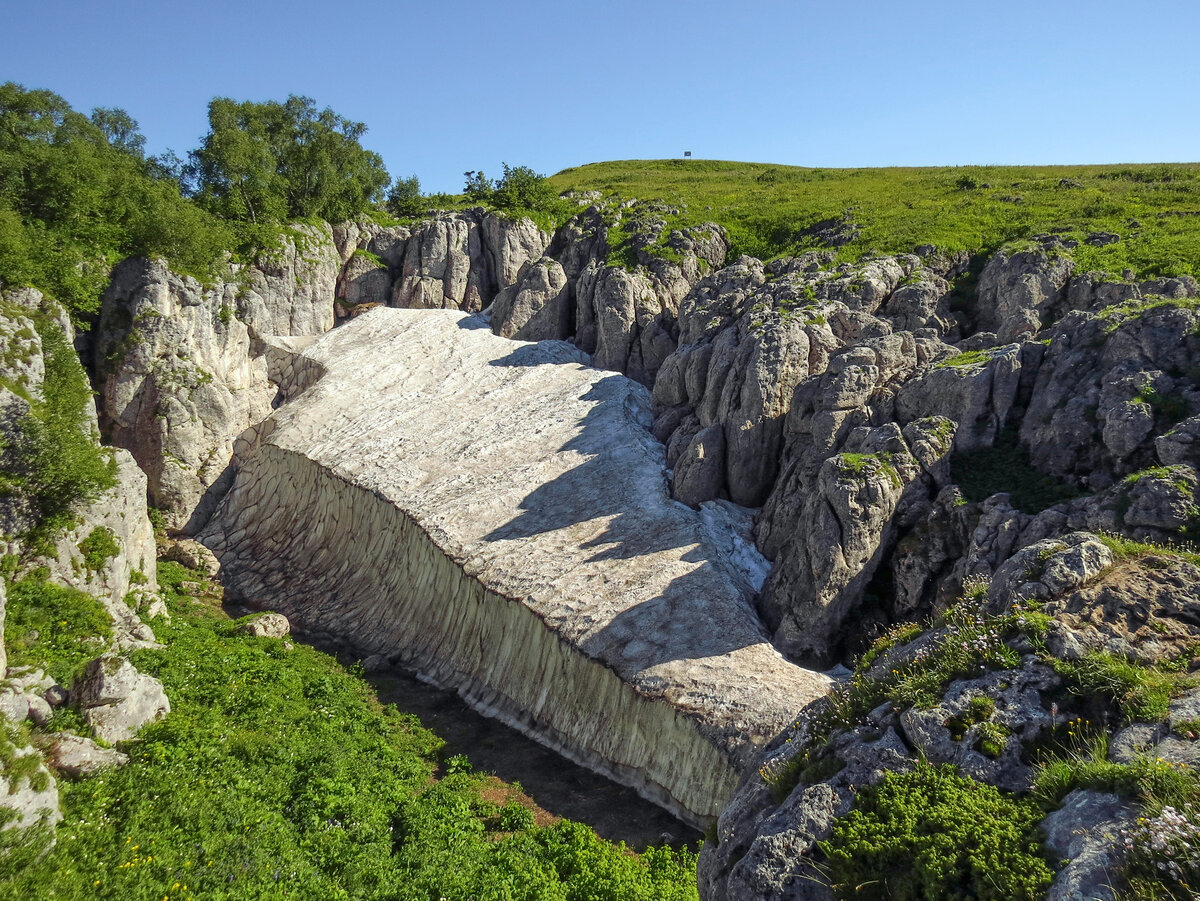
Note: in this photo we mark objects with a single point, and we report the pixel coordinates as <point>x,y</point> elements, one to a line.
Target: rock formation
<point>495,516</point>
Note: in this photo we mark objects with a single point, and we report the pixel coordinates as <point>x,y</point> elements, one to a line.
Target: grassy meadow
<point>767,209</point>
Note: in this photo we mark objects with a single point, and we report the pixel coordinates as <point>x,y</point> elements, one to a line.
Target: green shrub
<point>56,461</point>
<point>1140,693</point>
<point>100,545</point>
<point>930,835</point>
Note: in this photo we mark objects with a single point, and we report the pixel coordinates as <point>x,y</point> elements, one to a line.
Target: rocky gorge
<point>674,514</point>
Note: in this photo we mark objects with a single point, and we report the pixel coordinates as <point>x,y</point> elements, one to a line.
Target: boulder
<point>267,625</point>
<point>81,757</point>
<point>117,700</point>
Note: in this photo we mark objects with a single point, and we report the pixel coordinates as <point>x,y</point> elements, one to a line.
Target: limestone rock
<point>118,515</point>
<point>459,261</point>
<point>178,382</point>
<point>1085,831</point>
<point>290,290</point>
<point>117,700</point>
<point>978,396</point>
<point>1105,389</point>
<point>620,322</point>
<point>495,515</point>
<point>181,368</point>
<point>33,797</point>
<point>537,306</point>
<point>699,470</point>
<point>1048,568</point>
<point>1017,289</point>
<point>1181,444</point>
<point>81,757</point>
<point>267,625</point>
<point>193,555</point>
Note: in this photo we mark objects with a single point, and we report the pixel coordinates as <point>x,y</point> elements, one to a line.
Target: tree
<point>120,129</point>
<point>265,162</point>
<point>522,190</point>
<point>404,198</point>
<point>76,196</point>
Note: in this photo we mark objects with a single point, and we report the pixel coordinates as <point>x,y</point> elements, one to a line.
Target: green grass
<point>967,358</point>
<point>53,628</point>
<point>1124,548</point>
<point>278,775</point>
<point>767,208</point>
<point>1140,694</point>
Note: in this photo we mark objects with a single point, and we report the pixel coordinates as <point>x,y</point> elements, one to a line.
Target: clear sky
<point>450,85</point>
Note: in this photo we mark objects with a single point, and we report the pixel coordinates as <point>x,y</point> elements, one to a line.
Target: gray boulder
<point>117,700</point>
<point>1016,290</point>
<point>81,757</point>
<point>1085,832</point>
<point>537,306</point>
<point>267,625</point>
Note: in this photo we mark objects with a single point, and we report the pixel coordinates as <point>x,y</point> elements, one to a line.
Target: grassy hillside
<point>278,774</point>
<point>1155,209</point>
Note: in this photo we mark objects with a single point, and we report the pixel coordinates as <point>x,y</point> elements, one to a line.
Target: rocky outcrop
<point>1017,290</point>
<point>849,488</point>
<point>495,516</point>
<point>460,261</point>
<point>28,791</point>
<point>1108,386</point>
<point>992,717</point>
<point>537,307</point>
<point>181,365</point>
<point>110,553</point>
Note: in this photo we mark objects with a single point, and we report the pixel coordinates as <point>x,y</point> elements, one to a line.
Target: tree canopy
<point>76,196</point>
<point>264,162</point>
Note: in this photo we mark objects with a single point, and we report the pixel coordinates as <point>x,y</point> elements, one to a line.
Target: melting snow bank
<point>495,516</point>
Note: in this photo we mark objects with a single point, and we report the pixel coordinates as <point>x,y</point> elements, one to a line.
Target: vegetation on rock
<point>54,459</point>
<point>933,835</point>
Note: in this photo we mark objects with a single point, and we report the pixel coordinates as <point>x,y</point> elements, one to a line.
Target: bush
<point>930,835</point>
<point>56,461</point>
<point>100,545</point>
<point>404,198</point>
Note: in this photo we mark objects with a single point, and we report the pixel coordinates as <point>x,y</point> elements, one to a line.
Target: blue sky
<point>449,86</point>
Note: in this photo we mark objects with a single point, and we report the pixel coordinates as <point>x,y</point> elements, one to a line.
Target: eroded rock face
<point>460,261</point>
<point>181,364</point>
<point>495,516</point>
<point>1109,384</point>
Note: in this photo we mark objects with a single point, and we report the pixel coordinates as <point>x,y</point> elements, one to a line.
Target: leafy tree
<point>523,190</point>
<point>479,187</point>
<point>120,129</point>
<point>266,162</point>
<point>520,191</point>
<point>76,197</point>
<point>404,198</point>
